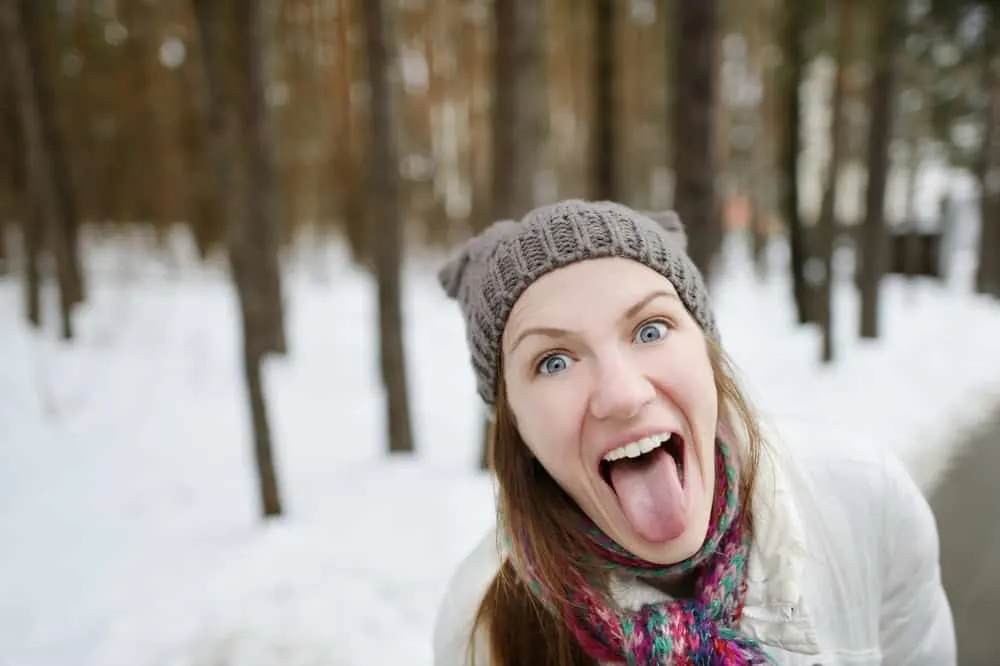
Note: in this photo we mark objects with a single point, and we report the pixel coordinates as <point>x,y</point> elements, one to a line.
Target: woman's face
<point>609,381</point>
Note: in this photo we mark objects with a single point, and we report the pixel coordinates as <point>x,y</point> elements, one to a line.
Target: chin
<point>673,551</point>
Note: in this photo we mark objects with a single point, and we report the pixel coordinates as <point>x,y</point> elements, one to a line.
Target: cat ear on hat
<point>670,222</point>
<point>453,273</point>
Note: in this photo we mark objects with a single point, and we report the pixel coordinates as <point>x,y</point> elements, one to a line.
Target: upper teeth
<point>637,448</point>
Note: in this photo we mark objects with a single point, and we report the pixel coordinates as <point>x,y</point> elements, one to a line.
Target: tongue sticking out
<point>650,493</point>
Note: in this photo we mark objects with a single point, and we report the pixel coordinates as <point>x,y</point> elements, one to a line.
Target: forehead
<point>585,290</point>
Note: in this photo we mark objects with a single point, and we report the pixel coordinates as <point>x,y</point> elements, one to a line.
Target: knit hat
<point>490,271</point>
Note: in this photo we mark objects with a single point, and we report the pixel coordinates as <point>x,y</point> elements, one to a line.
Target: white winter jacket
<point>843,570</point>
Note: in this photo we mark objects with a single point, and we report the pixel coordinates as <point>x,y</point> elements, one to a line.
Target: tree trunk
<point>23,207</point>
<point>4,251</point>
<point>9,194</point>
<point>40,173</point>
<point>518,106</point>
<point>760,172</point>
<point>911,248</point>
<point>758,230</point>
<point>827,230</point>
<point>872,247</point>
<point>693,114</point>
<point>518,109</point>
<point>31,235</point>
<point>988,269</point>
<point>793,67</point>
<point>267,478</point>
<point>380,55</point>
<point>604,176</point>
<point>223,30</point>
<point>263,206</point>
<point>35,24</point>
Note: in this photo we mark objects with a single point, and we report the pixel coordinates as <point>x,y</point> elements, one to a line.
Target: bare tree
<point>381,59</point>
<point>31,234</point>
<point>873,241</point>
<point>10,166</point>
<point>21,205</point>
<point>262,179</point>
<point>518,107</point>
<point>827,230</point>
<point>693,114</point>
<point>604,167</point>
<point>988,168</point>
<point>758,162</point>
<point>228,30</point>
<point>4,251</point>
<point>43,194</point>
<point>796,20</point>
<point>36,23</point>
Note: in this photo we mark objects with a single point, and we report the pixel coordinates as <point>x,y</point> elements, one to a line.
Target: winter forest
<point>237,423</point>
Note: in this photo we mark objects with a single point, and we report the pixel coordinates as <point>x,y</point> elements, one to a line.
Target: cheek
<point>550,431</point>
<point>690,382</point>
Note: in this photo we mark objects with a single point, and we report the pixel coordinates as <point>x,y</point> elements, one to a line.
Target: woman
<point>643,518</point>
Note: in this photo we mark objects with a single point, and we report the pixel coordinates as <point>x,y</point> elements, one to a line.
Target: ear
<point>451,273</point>
<point>670,222</point>
<point>454,272</point>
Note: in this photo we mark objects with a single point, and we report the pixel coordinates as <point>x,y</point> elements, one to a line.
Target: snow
<point>129,529</point>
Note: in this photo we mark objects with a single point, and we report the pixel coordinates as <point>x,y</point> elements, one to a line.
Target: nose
<point>621,389</point>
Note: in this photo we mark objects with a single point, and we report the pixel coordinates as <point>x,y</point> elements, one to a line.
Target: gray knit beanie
<point>490,271</point>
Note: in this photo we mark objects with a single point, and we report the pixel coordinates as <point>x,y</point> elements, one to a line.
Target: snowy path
<point>969,522</point>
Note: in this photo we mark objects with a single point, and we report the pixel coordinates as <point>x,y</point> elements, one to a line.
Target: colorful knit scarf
<point>698,631</point>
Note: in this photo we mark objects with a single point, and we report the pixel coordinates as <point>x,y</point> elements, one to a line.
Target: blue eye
<point>653,331</point>
<point>553,364</point>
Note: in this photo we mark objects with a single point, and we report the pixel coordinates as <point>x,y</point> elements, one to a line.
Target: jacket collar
<point>775,612</point>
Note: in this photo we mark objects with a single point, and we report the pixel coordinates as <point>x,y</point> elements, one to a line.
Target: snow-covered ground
<point>129,533</point>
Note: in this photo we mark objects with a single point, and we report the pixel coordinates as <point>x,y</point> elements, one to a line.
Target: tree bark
<point>262,207</point>
<point>31,235</point>
<point>21,204</point>
<point>9,193</point>
<point>34,25</point>
<point>388,245</point>
<point>693,114</point>
<point>518,106</point>
<point>604,172</point>
<point>793,67</point>
<point>988,269</point>
<point>759,174</point>
<point>872,247</point>
<point>223,28</point>
<point>827,230</point>
<point>911,247</point>
<point>40,171</point>
<point>4,251</point>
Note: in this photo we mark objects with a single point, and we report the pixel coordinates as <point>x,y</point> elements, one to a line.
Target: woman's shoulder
<point>870,473</point>
<point>867,491</point>
<point>458,608</point>
<point>885,533</point>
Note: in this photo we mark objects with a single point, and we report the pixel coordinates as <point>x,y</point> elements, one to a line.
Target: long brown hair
<point>519,630</point>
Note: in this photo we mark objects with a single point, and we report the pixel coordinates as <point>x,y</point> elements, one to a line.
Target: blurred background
<point>237,419</point>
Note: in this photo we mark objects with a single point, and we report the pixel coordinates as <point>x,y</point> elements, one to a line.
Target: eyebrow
<point>553,332</point>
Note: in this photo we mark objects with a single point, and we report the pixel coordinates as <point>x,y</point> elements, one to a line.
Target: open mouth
<point>643,453</point>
